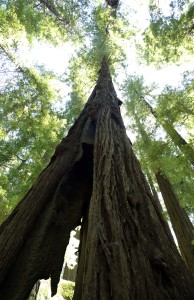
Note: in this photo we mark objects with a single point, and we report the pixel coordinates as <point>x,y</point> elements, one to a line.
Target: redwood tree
<point>181,223</point>
<point>125,250</point>
<point>178,140</point>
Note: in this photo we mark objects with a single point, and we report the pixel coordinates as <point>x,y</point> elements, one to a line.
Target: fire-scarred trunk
<point>125,252</point>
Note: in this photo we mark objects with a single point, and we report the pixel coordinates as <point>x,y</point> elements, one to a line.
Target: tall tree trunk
<point>177,139</point>
<point>158,206</point>
<point>152,187</point>
<point>70,274</point>
<point>122,231</point>
<point>181,223</point>
<point>125,251</point>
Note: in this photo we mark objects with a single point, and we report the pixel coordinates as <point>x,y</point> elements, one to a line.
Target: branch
<point>52,8</point>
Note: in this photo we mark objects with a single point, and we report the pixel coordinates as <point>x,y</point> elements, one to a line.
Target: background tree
<point>163,151</point>
<point>154,155</point>
<point>27,117</point>
<point>182,226</point>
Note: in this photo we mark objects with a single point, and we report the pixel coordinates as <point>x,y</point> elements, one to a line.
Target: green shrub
<point>66,289</point>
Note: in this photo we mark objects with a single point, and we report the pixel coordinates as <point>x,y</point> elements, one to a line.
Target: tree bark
<point>123,231</point>
<point>34,237</point>
<point>181,223</point>
<point>113,3</point>
<point>125,251</point>
<point>70,274</point>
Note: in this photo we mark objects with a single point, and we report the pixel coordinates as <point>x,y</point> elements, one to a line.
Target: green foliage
<point>46,20</point>
<point>28,122</point>
<point>66,289</point>
<point>104,36</point>
<point>43,292</point>
<point>169,38</point>
<point>155,149</point>
<point>73,108</point>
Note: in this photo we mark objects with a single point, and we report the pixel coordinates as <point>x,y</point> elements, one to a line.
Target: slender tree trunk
<point>152,187</point>
<point>125,251</point>
<point>70,274</point>
<point>180,142</point>
<point>181,224</point>
<point>158,206</point>
<point>54,10</point>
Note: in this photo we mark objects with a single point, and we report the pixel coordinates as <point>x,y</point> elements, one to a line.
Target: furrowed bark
<point>126,252</point>
<point>34,237</point>
<point>181,223</point>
